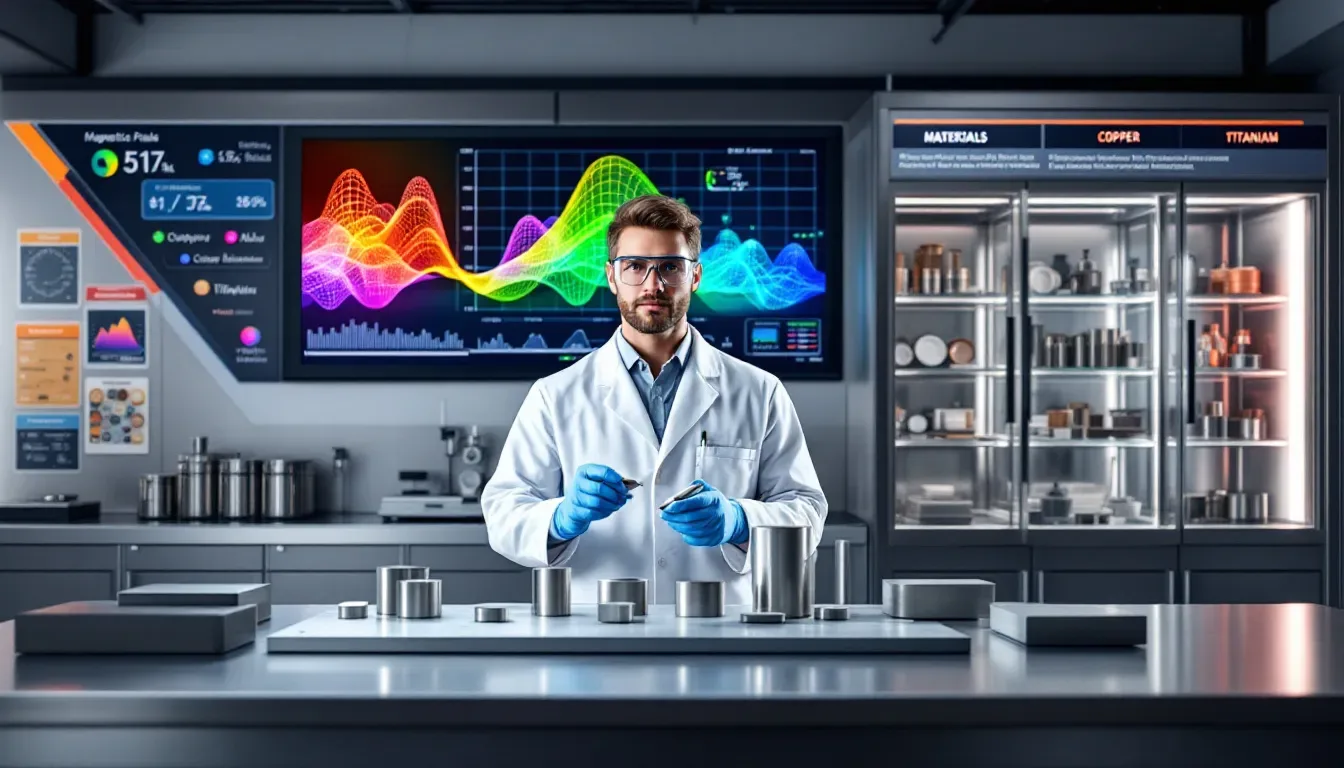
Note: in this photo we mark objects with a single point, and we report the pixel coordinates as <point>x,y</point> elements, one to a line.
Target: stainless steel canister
<point>389,580</point>
<point>240,489</point>
<point>198,487</point>
<point>1080,352</point>
<point>1056,350</point>
<point>288,489</point>
<point>1215,507</point>
<point>783,578</point>
<point>633,591</point>
<point>158,497</point>
<point>550,591</point>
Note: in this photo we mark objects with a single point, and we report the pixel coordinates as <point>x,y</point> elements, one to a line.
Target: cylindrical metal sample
<point>158,497</point>
<point>700,599</point>
<point>782,576</point>
<point>239,489</point>
<point>831,612</point>
<point>842,571</point>
<point>419,598</point>
<point>354,609</point>
<point>550,591</point>
<point>762,617</point>
<point>616,612</point>
<point>388,578</point>
<point>491,614</point>
<point>625,591</point>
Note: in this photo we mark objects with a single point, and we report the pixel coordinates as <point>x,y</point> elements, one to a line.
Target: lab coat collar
<point>694,396</point>
<point>630,356</point>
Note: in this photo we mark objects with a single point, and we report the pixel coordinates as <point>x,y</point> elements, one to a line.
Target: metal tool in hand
<point>629,484</point>
<point>684,493</point>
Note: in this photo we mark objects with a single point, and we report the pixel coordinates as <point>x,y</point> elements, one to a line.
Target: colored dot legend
<point>184,259</point>
<point>230,237</point>
<point>250,336</point>
<point>159,237</point>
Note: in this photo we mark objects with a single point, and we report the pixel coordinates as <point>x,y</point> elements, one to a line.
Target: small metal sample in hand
<point>684,493</point>
<point>629,484</point>
<point>762,617</point>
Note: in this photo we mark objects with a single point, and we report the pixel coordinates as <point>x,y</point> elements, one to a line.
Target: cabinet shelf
<point>1082,373</point>
<point>1089,302</point>
<point>1220,442</point>
<point>952,442</point>
<point>1091,442</point>
<point>909,300</point>
<point>946,373</point>
<point>1249,300</point>
<point>1241,373</point>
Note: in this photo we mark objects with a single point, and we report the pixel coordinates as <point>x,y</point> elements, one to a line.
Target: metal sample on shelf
<point>550,591</point>
<point>762,617</point>
<point>419,598</point>
<point>240,489</point>
<point>491,614</point>
<point>634,591</point>
<point>353,609</point>
<point>616,613</point>
<point>831,613</point>
<point>937,599</point>
<point>782,570</point>
<point>388,578</point>
<point>158,497</point>
<point>700,599</point>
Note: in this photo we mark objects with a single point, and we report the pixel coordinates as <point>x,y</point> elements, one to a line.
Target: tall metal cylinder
<point>158,497</point>
<point>625,591</point>
<point>198,488</point>
<point>389,577</point>
<point>842,571</point>
<point>239,489</point>
<point>420,598</point>
<point>782,575</point>
<point>699,599</point>
<point>550,591</point>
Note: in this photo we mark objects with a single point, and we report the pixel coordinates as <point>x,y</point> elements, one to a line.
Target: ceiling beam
<point>402,6</point>
<point>39,35</point>
<point>118,8</point>
<point>951,11</point>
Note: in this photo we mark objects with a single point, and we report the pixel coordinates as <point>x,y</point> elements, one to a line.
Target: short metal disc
<point>491,614</point>
<point>830,612</point>
<point>762,617</point>
<point>616,613</point>
<point>354,609</point>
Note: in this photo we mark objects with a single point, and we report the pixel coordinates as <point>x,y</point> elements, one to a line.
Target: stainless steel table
<point>1225,685</point>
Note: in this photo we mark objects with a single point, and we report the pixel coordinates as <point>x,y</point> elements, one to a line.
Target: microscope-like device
<point>417,502</point>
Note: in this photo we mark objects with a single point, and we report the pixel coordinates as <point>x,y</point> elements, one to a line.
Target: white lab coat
<point>591,412</point>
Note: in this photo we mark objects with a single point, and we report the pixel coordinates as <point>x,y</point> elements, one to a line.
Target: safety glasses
<point>634,270</point>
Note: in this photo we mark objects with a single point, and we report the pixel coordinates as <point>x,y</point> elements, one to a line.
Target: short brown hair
<point>655,212</point>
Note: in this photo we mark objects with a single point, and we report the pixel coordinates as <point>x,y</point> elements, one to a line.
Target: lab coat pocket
<point>731,470</point>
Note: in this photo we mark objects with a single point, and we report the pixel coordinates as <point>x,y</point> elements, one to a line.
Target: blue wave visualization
<point>740,278</point>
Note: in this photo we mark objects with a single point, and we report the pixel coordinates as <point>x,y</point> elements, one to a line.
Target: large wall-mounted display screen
<point>481,254</point>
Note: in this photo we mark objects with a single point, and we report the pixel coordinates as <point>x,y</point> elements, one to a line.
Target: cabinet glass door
<point>1247,311</point>
<point>953,328</point>
<point>1093,392</point>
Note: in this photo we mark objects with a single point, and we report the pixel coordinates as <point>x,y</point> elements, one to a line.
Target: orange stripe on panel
<point>1087,121</point>
<point>32,140</point>
<point>124,256</point>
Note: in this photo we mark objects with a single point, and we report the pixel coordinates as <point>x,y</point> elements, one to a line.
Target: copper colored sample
<point>902,274</point>
<point>1218,279</point>
<point>961,352</point>
<point>1243,280</point>
<point>1058,418</point>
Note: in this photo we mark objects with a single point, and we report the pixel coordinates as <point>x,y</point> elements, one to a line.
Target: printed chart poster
<point>46,442</point>
<point>46,364</point>
<point>118,415</point>
<point>49,271</point>
<point>116,327</point>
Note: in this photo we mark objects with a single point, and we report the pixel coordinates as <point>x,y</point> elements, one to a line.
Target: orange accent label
<point>1252,137</point>
<point>47,331</point>
<point>48,237</point>
<point>46,364</point>
<point>115,293</point>
<point>1118,137</point>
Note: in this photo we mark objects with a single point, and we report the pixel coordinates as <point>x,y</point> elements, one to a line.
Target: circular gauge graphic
<point>50,274</point>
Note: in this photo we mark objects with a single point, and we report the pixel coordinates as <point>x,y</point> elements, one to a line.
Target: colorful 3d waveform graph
<point>370,251</point>
<point>118,337</point>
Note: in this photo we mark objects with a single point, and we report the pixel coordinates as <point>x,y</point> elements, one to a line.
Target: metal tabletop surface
<point>1240,663</point>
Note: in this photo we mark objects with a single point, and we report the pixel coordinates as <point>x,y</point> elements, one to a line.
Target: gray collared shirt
<point>657,394</point>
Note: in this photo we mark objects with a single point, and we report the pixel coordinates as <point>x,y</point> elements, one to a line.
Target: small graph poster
<point>116,327</point>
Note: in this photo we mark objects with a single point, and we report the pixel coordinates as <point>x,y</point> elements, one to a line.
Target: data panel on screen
<point>424,256</point>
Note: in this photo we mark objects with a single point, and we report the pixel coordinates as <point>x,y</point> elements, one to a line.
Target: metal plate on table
<point>456,631</point>
<point>1045,624</point>
<point>102,626</point>
<point>200,595</point>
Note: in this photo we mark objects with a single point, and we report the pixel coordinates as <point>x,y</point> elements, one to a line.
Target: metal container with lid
<point>240,489</point>
<point>198,487</point>
<point>158,497</point>
<point>288,486</point>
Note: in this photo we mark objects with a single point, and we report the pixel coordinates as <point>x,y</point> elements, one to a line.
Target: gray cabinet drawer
<point>43,557</point>
<point>1253,587</point>
<point>462,557</point>
<point>25,591</point>
<point>321,588</point>
<point>140,578</point>
<point>1105,587</point>
<point>1008,586</point>
<point>489,587</point>
<point>193,558</point>
<point>286,557</point>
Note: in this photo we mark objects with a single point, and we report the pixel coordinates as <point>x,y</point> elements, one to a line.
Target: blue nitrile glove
<point>708,519</point>
<point>596,492</point>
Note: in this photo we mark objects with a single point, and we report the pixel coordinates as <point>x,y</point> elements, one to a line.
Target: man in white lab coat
<point>659,405</point>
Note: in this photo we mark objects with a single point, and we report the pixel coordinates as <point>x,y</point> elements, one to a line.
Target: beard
<point>674,309</point>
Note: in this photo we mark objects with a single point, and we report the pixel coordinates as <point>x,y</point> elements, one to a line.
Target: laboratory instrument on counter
<point>1068,625</point>
<point>240,489</point>
<point>684,493</point>
<point>629,590</point>
<point>699,599</point>
<point>936,599</point>
<point>782,570</point>
<point>472,477</point>
<point>49,508</point>
<point>340,477</point>
<point>762,617</point>
<point>352,609</point>
<point>158,497</point>
<point>389,576</point>
<point>419,598</point>
<point>417,503</point>
<point>830,612</point>
<point>616,613</point>
<point>550,591</point>
<point>842,571</point>
<point>491,614</point>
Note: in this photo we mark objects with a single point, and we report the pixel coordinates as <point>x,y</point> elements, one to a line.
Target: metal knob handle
<point>841,571</point>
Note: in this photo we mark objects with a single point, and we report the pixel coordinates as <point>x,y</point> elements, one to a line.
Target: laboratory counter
<point>354,528</point>
<point>1225,685</point>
